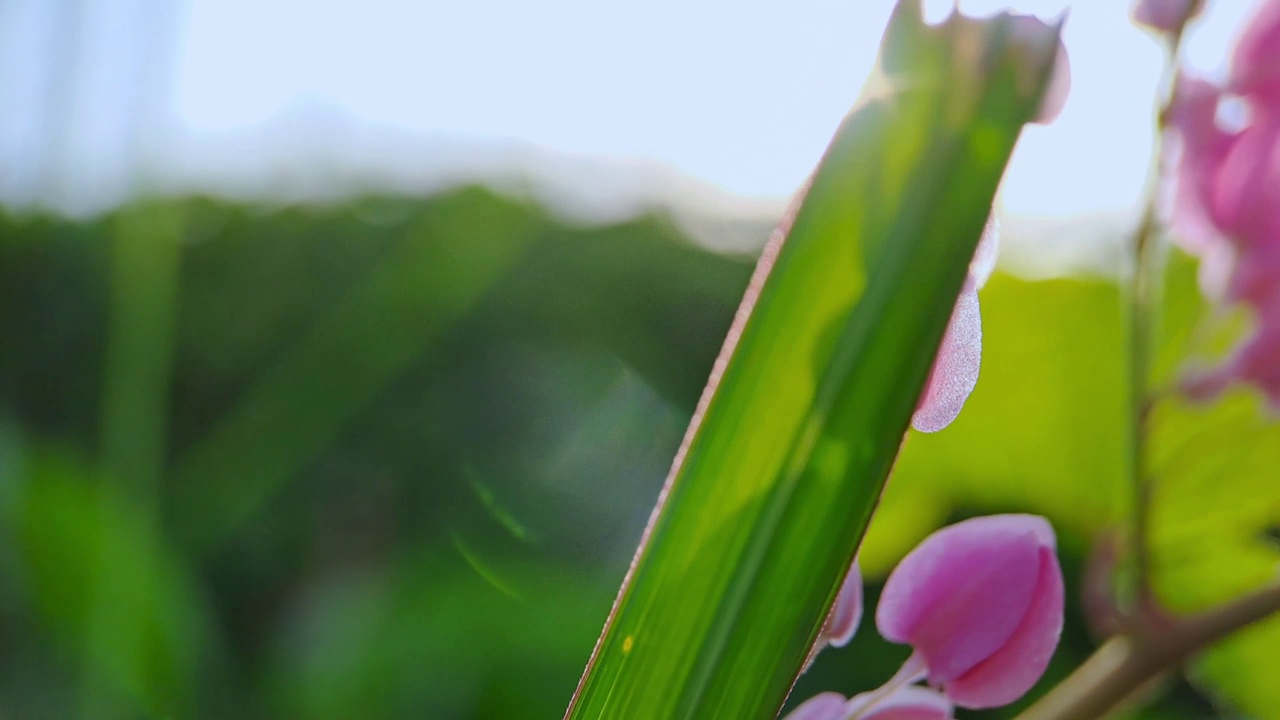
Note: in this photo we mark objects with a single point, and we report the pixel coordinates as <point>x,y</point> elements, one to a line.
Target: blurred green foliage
<point>389,458</point>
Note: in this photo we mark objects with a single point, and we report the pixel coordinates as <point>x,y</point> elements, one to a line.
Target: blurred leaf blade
<point>425,285</point>
<point>144,284</point>
<point>160,645</point>
<point>799,428</point>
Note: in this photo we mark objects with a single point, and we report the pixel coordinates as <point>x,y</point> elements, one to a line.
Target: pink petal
<point>960,595</point>
<point>845,615</point>
<point>1166,15</point>
<point>1203,148</point>
<point>1055,96</point>
<point>1014,669</point>
<point>1246,191</point>
<point>984,257</point>
<point>1205,386</point>
<point>955,369</point>
<point>824,706</point>
<point>1255,65</point>
<point>1257,362</point>
<point>1031,31</point>
<point>1255,278</point>
<point>905,703</point>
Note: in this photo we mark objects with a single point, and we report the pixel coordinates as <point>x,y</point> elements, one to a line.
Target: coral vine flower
<point>1166,15</point>
<point>824,706</point>
<point>845,615</point>
<point>1255,65</point>
<point>955,369</point>
<point>903,703</point>
<point>1033,31</point>
<point>842,622</point>
<point>981,602</point>
<point>1227,204</point>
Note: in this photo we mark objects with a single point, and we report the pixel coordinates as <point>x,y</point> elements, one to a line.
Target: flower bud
<point>1166,16</point>
<point>981,602</point>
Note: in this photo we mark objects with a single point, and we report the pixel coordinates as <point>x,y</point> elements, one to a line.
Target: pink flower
<point>1204,147</point>
<point>1166,15</point>
<point>955,369</point>
<point>1244,199</point>
<point>1256,361</point>
<point>1227,203</point>
<point>846,614</point>
<point>842,622</point>
<point>1255,65</point>
<point>902,703</point>
<point>1055,96</point>
<point>1031,31</point>
<point>981,602</point>
<point>824,706</point>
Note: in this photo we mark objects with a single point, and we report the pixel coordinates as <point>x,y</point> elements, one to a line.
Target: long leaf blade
<point>810,400</point>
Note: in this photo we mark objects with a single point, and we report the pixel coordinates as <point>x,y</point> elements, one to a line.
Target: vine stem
<point>1123,666</point>
<point>1153,644</point>
<point>1143,288</point>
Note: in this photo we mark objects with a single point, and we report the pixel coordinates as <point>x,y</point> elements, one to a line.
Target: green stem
<point>1143,291</point>
<point>140,346</point>
<point>912,671</point>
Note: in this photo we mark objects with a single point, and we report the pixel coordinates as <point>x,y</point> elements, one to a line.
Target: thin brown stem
<point>1122,667</point>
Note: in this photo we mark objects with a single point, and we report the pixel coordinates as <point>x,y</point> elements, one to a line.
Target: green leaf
<point>360,643</point>
<point>296,408</point>
<point>81,543</point>
<point>1216,501</point>
<point>805,413</point>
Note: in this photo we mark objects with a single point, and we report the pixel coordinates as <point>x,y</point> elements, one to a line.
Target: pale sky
<point>743,94</point>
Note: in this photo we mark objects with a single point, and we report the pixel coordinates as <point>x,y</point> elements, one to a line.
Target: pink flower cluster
<point>1227,200</point>
<point>981,604</point>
